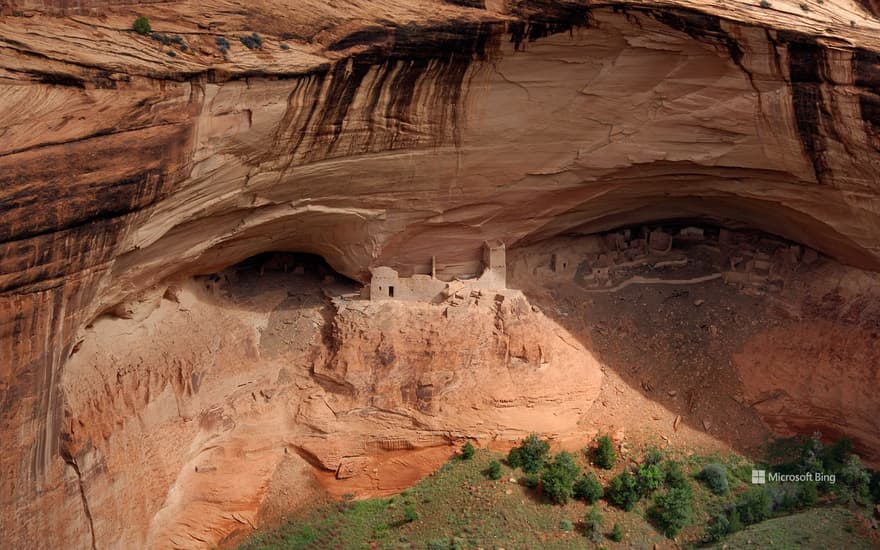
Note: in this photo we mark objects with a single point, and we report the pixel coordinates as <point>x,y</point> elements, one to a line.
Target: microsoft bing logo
<point>759,477</point>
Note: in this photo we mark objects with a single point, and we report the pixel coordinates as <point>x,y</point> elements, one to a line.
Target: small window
<point>391,291</point>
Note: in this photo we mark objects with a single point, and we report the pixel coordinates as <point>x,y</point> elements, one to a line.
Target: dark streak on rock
<point>368,36</point>
<point>543,18</point>
<point>400,60</point>
<point>805,58</point>
<point>58,79</point>
<point>870,6</point>
<point>866,73</point>
<point>478,4</point>
<point>805,68</point>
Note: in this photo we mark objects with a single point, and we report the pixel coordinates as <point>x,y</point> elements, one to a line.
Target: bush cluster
<point>558,478</point>
<point>623,491</point>
<point>649,478</point>
<point>530,454</point>
<point>222,44</point>
<point>715,476</point>
<point>588,488</point>
<point>673,510</point>
<point>252,42</point>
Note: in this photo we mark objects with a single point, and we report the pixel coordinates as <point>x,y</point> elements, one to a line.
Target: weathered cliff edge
<point>384,134</point>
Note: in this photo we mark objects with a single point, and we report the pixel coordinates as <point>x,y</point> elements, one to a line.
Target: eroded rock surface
<point>187,415</point>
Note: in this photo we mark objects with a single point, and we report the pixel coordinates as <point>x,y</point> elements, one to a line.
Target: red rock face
<point>69,7</point>
<point>122,166</point>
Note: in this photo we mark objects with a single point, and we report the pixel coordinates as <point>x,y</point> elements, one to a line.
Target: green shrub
<point>616,533</point>
<point>142,26</point>
<point>718,528</point>
<point>566,525</point>
<point>675,476</point>
<point>753,506</point>
<point>715,476</point>
<point>672,511</point>
<point>809,493</point>
<point>783,498</point>
<point>467,452</point>
<point>588,489</point>
<point>855,480</point>
<point>606,456</point>
<point>649,478</point>
<point>410,514</point>
<point>532,452</point>
<point>531,480</point>
<point>653,456</point>
<point>514,460</point>
<point>494,470</point>
<point>623,491</point>
<point>593,521</point>
<point>558,477</point>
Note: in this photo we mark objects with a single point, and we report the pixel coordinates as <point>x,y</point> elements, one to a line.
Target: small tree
<point>606,456</point>
<point>588,489</point>
<point>623,491</point>
<point>467,452</point>
<point>649,478</point>
<point>142,26</point>
<point>494,470</point>
<point>532,452</point>
<point>715,476</point>
<point>593,524</point>
<point>558,478</point>
<point>616,533</point>
<point>856,480</point>
<point>672,511</point>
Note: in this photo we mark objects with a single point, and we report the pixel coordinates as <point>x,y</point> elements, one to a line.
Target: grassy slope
<point>459,503</point>
<point>817,528</point>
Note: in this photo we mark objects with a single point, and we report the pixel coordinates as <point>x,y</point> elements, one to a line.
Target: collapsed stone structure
<point>618,257</point>
<point>387,284</point>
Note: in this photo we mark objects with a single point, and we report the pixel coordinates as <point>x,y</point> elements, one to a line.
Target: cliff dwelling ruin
<point>261,254</point>
<point>385,283</point>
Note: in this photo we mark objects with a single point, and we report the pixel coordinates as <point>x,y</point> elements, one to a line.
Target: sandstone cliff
<point>382,133</point>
